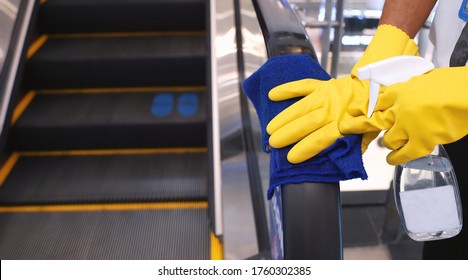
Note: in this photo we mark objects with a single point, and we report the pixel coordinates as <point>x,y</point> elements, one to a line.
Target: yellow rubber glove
<point>426,111</point>
<point>313,121</point>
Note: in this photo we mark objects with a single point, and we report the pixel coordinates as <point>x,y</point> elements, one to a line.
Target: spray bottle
<point>426,189</point>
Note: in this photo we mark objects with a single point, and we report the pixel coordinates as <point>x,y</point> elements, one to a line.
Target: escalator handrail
<point>282,30</point>
<point>8,76</point>
<point>319,236</point>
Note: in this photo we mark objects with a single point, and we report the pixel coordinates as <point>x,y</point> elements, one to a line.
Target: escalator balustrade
<point>107,150</point>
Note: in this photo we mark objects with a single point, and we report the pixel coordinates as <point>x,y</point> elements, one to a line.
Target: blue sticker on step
<point>187,104</point>
<point>163,104</point>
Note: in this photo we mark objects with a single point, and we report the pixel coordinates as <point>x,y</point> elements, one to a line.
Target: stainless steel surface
<point>255,54</point>
<point>16,55</point>
<point>8,13</point>
<point>239,229</point>
<point>323,15</point>
<point>319,24</point>
<point>216,152</point>
<point>338,34</point>
<point>326,34</point>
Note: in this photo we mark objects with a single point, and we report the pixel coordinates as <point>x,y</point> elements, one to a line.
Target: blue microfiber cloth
<point>340,161</point>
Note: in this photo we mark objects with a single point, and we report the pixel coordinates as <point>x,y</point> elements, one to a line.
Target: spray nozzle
<point>390,71</point>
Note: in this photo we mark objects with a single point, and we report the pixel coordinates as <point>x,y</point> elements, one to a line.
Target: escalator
<point>107,155</point>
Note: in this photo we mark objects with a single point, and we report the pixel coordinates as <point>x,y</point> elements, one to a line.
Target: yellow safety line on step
<point>106,207</point>
<point>120,90</point>
<point>8,166</point>
<point>22,105</point>
<point>216,247</point>
<point>127,34</point>
<point>36,46</point>
<point>116,152</point>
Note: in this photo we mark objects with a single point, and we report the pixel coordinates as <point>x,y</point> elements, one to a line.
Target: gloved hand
<point>313,121</point>
<point>419,114</point>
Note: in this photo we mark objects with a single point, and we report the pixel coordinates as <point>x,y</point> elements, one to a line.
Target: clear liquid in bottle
<point>427,197</point>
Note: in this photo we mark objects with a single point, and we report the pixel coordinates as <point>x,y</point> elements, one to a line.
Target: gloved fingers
<point>358,104</point>
<point>367,138</point>
<point>294,112</point>
<point>295,89</point>
<point>298,129</point>
<point>387,98</point>
<point>411,151</point>
<point>385,101</point>
<point>395,138</point>
<point>356,108</point>
<point>314,143</point>
<point>362,125</point>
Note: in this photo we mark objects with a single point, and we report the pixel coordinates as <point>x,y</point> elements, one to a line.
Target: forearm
<point>408,15</point>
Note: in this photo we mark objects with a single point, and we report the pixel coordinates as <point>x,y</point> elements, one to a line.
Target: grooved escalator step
<point>112,120</point>
<point>60,179</point>
<point>122,61</point>
<point>150,234</point>
<point>83,16</point>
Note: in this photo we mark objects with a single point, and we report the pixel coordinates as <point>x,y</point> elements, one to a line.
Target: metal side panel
<point>230,161</point>
<point>149,234</point>
<point>8,16</point>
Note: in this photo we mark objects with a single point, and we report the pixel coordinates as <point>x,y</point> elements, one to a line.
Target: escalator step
<point>106,178</point>
<point>149,234</point>
<point>77,16</point>
<point>112,120</point>
<point>128,61</point>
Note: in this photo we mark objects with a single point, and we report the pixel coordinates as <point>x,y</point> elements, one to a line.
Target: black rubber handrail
<point>282,30</point>
<point>312,211</point>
